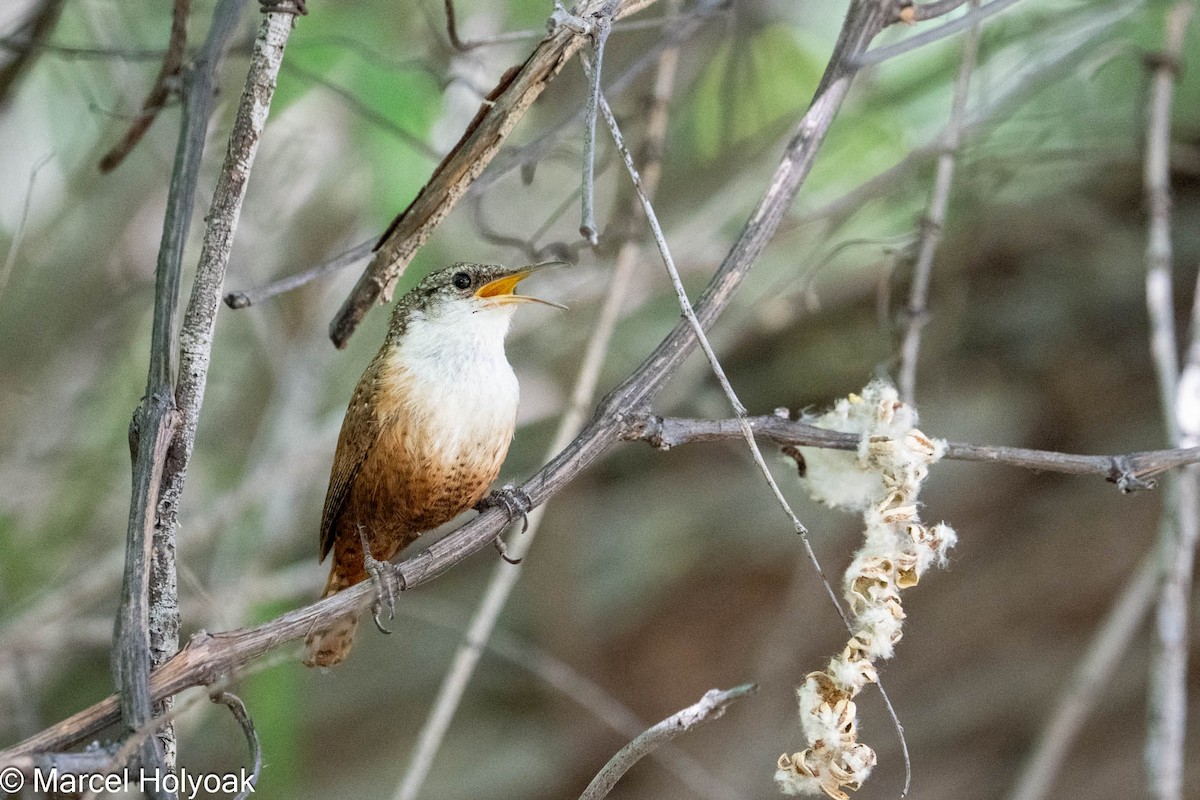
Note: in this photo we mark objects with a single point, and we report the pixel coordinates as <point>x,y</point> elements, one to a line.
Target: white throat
<point>458,372</point>
<point>457,335</point>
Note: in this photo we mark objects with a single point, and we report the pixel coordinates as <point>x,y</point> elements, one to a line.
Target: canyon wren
<point>426,430</point>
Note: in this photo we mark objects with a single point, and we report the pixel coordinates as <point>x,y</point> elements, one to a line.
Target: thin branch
<point>244,298</point>
<point>505,575</point>
<point>208,656</point>
<point>497,117</point>
<point>1087,684</point>
<point>156,98</point>
<point>935,219</point>
<point>584,692</point>
<point>1167,714</point>
<point>73,52</point>
<point>366,112</point>
<point>452,28</point>
<point>711,706</point>
<point>1129,471</point>
<point>18,237</point>
<point>678,31</point>
<point>933,10</point>
<point>38,26</point>
<point>600,26</point>
<point>974,17</point>
<point>1034,76</point>
<point>465,46</point>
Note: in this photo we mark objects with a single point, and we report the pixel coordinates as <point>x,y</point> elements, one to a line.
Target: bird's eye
<point>462,280</point>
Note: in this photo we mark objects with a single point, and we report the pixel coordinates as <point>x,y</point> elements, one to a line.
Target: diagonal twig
<point>972,18</point>
<point>38,28</point>
<point>244,298</point>
<point>1087,684</point>
<point>156,98</point>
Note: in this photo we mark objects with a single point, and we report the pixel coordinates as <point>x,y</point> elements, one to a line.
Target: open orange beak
<point>501,290</point>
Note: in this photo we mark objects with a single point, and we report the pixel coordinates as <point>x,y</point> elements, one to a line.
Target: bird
<point>426,430</point>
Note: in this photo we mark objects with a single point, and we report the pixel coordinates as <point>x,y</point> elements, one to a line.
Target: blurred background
<point>657,575</point>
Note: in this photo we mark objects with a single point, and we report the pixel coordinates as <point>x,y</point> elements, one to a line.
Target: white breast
<point>460,384</point>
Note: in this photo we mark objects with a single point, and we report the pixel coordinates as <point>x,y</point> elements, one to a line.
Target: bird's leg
<point>379,571</point>
<point>516,503</point>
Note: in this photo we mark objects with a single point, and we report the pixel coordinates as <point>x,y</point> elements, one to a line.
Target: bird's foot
<point>381,572</point>
<point>515,502</point>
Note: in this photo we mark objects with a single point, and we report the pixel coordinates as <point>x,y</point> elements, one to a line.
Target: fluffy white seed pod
<point>881,480</point>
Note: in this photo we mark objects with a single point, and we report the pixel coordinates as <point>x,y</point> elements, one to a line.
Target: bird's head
<point>470,294</point>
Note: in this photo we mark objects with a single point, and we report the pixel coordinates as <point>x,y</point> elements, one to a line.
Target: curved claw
<point>503,550</point>
<point>378,623</point>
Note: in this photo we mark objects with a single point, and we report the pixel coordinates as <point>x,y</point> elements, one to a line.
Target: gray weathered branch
<point>1129,471</point>
<point>146,630</point>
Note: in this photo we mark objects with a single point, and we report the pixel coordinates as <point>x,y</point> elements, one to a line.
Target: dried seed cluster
<point>880,480</point>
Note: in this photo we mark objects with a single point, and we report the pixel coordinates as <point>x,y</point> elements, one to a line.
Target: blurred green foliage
<point>658,574</point>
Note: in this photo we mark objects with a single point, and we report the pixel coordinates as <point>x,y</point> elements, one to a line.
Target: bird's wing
<point>360,429</point>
